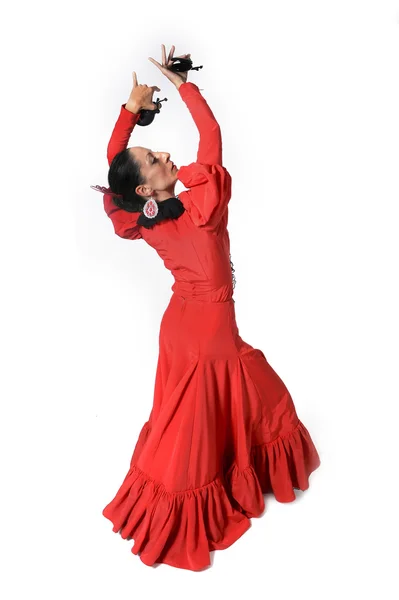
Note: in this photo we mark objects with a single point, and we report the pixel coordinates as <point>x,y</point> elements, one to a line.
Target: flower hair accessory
<point>104,190</point>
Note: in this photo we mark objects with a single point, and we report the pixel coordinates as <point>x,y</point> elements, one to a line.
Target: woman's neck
<point>164,194</point>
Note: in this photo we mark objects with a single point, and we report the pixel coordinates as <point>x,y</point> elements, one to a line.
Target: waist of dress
<point>203,293</point>
<point>204,300</point>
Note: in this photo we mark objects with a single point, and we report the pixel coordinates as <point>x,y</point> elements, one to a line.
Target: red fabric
<point>223,429</point>
<point>124,222</point>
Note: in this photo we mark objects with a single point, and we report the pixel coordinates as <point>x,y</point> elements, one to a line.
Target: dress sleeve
<point>208,195</point>
<point>208,180</point>
<point>124,222</point>
<point>121,132</point>
<point>210,142</point>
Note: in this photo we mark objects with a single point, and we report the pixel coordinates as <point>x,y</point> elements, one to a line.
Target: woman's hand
<point>141,96</point>
<point>176,78</point>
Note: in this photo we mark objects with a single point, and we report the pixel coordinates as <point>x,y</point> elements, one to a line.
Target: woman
<point>223,429</point>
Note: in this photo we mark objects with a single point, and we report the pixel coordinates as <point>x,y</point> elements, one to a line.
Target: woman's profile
<point>223,429</point>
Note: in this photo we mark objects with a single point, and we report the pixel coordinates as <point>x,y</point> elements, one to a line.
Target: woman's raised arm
<point>140,98</point>
<point>124,222</point>
<point>210,143</point>
<point>122,131</point>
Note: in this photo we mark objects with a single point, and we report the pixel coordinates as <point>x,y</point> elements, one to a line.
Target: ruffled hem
<point>176,528</point>
<point>277,467</point>
<point>181,528</point>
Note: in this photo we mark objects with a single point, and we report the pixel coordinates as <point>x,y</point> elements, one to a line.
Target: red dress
<point>223,429</point>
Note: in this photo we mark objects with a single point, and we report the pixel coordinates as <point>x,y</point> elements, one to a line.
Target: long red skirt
<point>222,432</point>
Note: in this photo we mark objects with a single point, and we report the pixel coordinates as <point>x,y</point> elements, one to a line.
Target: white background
<point>307,97</point>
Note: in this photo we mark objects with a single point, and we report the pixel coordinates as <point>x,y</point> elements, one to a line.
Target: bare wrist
<point>133,108</point>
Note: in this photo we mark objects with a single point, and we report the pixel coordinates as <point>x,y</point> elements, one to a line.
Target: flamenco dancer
<point>223,429</point>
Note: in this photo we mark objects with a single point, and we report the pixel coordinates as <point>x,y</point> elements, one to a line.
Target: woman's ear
<point>144,190</point>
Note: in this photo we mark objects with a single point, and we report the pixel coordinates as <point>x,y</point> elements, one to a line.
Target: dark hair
<point>123,177</point>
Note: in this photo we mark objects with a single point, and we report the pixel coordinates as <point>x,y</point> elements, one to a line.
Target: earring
<point>150,208</point>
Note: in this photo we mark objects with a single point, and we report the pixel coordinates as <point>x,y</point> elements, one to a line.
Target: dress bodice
<point>198,257</point>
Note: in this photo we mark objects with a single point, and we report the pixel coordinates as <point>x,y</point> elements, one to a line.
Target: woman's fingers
<point>166,63</point>
<point>134,79</point>
<point>155,62</point>
<point>171,54</point>
<point>163,54</point>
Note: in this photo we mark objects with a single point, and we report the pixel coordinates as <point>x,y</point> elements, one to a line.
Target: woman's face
<point>159,171</point>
